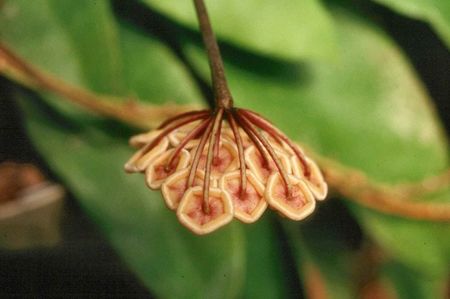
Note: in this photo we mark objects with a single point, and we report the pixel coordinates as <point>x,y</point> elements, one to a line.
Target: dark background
<point>85,265</point>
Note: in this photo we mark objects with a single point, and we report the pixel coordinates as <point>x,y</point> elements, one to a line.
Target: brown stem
<point>238,138</point>
<point>181,116</point>
<point>198,153</point>
<point>168,130</point>
<point>428,185</point>
<point>209,159</point>
<point>271,151</point>
<point>196,131</point>
<point>264,124</point>
<point>256,142</point>
<point>130,112</point>
<point>356,186</point>
<point>217,142</point>
<point>222,93</point>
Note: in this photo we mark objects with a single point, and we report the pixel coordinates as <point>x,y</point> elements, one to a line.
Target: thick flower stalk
<point>214,165</point>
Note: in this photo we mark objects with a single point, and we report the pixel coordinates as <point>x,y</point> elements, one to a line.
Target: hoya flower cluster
<point>212,166</point>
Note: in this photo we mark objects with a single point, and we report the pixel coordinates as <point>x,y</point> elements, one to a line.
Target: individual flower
<point>214,165</point>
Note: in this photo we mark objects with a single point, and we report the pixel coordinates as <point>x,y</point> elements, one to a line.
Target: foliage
<point>326,75</point>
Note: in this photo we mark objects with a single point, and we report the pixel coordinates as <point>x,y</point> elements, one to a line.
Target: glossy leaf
<point>92,34</point>
<point>283,28</point>
<point>420,245</point>
<point>367,110</point>
<point>434,12</point>
<point>266,272</point>
<point>324,263</point>
<point>152,72</point>
<point>31,30</point>
<point>409,284</point>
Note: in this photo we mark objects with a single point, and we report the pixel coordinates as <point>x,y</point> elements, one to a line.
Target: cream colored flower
<point>212,166</point>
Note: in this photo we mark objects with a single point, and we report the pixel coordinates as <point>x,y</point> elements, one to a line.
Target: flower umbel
<point>212,166</point>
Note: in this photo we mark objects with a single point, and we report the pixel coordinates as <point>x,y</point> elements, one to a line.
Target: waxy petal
<point>315,181</point>
<point>255,163</point>
<point>252,205</point>
<point>227,134</point>
<point>157,172</point>
<point>175,186</point>
<point>226,161</point>
<point>298,206</point>
<point>280,147</point>
<point>190,211</point>
<point>177,135</point>
<point>140,161</point>
<point>138,141</point>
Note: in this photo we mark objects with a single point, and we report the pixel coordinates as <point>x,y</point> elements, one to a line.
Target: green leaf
<point>367,110</point>
<point>266,275</point>
<point>412,285</point>
<point>153,73</point>
<point>31,30</point>
<point>284,28</point>
<point>434,12</point>
<point>170,260</point>
<point>92,34</point>
<point>76,40</point>
<point>321,247</point>
<point>327,255</point>
<point>420,245</point>
<point>423,246</point>
<point>81,43</point>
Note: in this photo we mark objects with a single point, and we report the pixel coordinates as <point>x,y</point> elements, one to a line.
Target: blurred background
<point>69,255</point>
